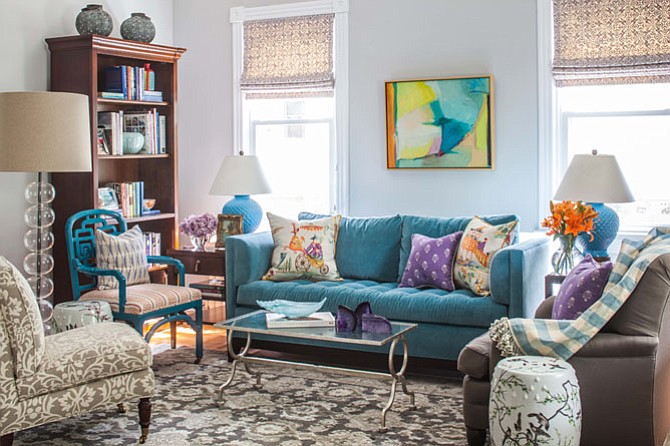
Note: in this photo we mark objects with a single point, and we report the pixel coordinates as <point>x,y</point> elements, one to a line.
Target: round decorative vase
<point>534,400</point>
<point>132,142</point>
<point>93,20</point>
<point>198,242</point>
<point>565,258</point>
<point>138,27</point>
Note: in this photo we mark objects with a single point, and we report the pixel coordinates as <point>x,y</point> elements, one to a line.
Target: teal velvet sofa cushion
<point>367,248</point>
<point>458,307</point>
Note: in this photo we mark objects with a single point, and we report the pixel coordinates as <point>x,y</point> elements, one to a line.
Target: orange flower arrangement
<point>567,221</point>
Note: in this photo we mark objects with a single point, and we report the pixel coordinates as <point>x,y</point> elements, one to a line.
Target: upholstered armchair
<point>131,298</point>
<point>46,379</point>
<point>623,372</point>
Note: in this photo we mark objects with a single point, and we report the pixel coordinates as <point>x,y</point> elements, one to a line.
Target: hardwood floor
<point>213,338</point>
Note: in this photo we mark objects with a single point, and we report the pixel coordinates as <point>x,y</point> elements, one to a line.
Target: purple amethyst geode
<point>376,324</point>
<point>346,319</point>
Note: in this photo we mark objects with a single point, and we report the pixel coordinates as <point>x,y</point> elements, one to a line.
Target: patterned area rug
<point>291,408</point>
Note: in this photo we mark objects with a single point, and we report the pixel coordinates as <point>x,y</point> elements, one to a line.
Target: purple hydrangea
<point>198,225</point>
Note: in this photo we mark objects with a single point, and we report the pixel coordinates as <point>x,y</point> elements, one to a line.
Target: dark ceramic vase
<point>93,20</point>
<point>138,27</point>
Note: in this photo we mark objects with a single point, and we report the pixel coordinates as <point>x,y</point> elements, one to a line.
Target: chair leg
<point>475,437</point>
<point>145,418</point>
<point>7,439</point>
<point>121,408</point>
<point>198,334</point>
<point>173,335</point>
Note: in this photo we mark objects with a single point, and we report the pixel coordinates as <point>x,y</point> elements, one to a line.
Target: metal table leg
<point>238,358</point>
<point>396,377</point>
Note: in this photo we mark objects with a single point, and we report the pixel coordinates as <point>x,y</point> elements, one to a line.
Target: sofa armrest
<point>517,276</point>
<point>545,308</point>
<point>248,257</point>
<point>613,345</point>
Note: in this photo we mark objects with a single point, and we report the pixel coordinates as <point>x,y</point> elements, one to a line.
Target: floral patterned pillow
<point>479,243</point>
<point>303,249</point>
<point>431,262</point>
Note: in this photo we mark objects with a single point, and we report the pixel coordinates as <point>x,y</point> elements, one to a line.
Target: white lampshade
<point>44,131</point>
<point>594,178</point>
<point>240,175</point>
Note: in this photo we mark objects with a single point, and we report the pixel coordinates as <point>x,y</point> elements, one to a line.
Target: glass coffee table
<point>255,323</point>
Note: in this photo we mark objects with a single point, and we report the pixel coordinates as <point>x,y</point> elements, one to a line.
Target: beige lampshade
<point>594,178</point>
<point>240,175</point>
<point>44,132</point>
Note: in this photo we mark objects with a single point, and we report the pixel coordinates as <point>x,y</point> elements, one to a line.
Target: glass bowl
<point>291,309</point>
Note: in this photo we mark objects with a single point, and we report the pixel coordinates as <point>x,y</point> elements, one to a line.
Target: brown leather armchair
<point>623,372</point>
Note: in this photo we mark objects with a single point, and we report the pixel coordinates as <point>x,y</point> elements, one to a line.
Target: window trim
<point>340,202</point>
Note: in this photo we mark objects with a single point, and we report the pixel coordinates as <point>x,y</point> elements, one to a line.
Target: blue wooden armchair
<point>134,304</point>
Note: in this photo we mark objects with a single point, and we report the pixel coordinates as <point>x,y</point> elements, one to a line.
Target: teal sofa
<point>371,256</point>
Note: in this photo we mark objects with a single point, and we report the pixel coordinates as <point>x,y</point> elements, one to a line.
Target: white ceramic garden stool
<point>69,315</point>
<point>534,400</point>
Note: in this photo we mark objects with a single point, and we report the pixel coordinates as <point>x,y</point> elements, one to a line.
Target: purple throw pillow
<point>581,288</point>
<point>431,262</point>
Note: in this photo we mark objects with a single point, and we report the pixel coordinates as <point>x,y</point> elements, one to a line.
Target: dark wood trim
<point>7,439</point>
<point>118,47</point>
<point>144,407</point>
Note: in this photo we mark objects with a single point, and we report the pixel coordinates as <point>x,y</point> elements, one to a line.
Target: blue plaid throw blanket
<point>562,338</point>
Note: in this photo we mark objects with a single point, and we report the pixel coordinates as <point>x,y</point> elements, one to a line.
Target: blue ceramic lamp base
<point>606,227</point>
<point>251,211</point>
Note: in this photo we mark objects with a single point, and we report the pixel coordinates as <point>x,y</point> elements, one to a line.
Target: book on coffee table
<point>320,319</point>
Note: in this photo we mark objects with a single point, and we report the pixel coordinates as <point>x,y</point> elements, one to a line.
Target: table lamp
<point>241,175</point>
<point>43,132</point>
<point>596,179</point>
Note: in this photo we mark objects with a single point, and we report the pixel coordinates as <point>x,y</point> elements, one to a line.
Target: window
<point>290,80</point>
<point>607,89</point>
<point>631,122</point>
<point>293,139</point>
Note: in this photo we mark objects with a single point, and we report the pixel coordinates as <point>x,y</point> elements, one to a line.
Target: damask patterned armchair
<point>45,379</point>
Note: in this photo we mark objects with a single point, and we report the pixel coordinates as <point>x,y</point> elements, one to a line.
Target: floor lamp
<point>43,132</point>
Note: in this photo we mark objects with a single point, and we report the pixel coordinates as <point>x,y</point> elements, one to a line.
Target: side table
<point>205,263</point>
<point>549,281</point>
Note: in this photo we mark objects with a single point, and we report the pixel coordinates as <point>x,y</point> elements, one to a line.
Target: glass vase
<point>566,257</point>
<point>198,242</point>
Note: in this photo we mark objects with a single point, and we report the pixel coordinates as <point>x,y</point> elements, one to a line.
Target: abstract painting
<point>440,123</point>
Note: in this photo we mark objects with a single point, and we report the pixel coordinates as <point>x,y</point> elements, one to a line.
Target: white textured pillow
<point>124,252</point>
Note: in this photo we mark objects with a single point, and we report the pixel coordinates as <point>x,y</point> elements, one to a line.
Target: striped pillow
<point>125,253</point>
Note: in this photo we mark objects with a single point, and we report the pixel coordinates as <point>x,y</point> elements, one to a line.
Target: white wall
<point>23,27</point>
<point>389,40</point>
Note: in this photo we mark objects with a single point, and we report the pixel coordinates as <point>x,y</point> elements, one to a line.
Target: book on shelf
<point>152,242</point>
<point>131,198</point>
<point>111,122</point>
<point>133,83</point>
<point>151,124</point>
<point>112,95</point>
<point>320,319</point>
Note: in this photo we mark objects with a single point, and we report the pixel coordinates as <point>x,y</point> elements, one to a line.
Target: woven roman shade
<point>607,42</point>
<point>288,54</point>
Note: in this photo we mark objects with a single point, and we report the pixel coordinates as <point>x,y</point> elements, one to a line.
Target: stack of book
<point>131,199</point>
<point>150,123</point>
<point>130,83</point>
<point>152,241</point>
<point>320,319</point>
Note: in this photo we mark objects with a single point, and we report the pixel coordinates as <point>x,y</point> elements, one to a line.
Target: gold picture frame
<point>228,224</point>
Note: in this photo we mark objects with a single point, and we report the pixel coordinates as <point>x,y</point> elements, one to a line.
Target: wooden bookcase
<point>77,65</point>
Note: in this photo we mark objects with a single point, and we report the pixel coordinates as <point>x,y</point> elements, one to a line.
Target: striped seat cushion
<point>145,298</point>
<point>125,253</point>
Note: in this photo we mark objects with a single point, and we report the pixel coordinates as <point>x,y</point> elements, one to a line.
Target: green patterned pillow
<point>124,252</point>
<point>479,243</point>
<point>303,249</point>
